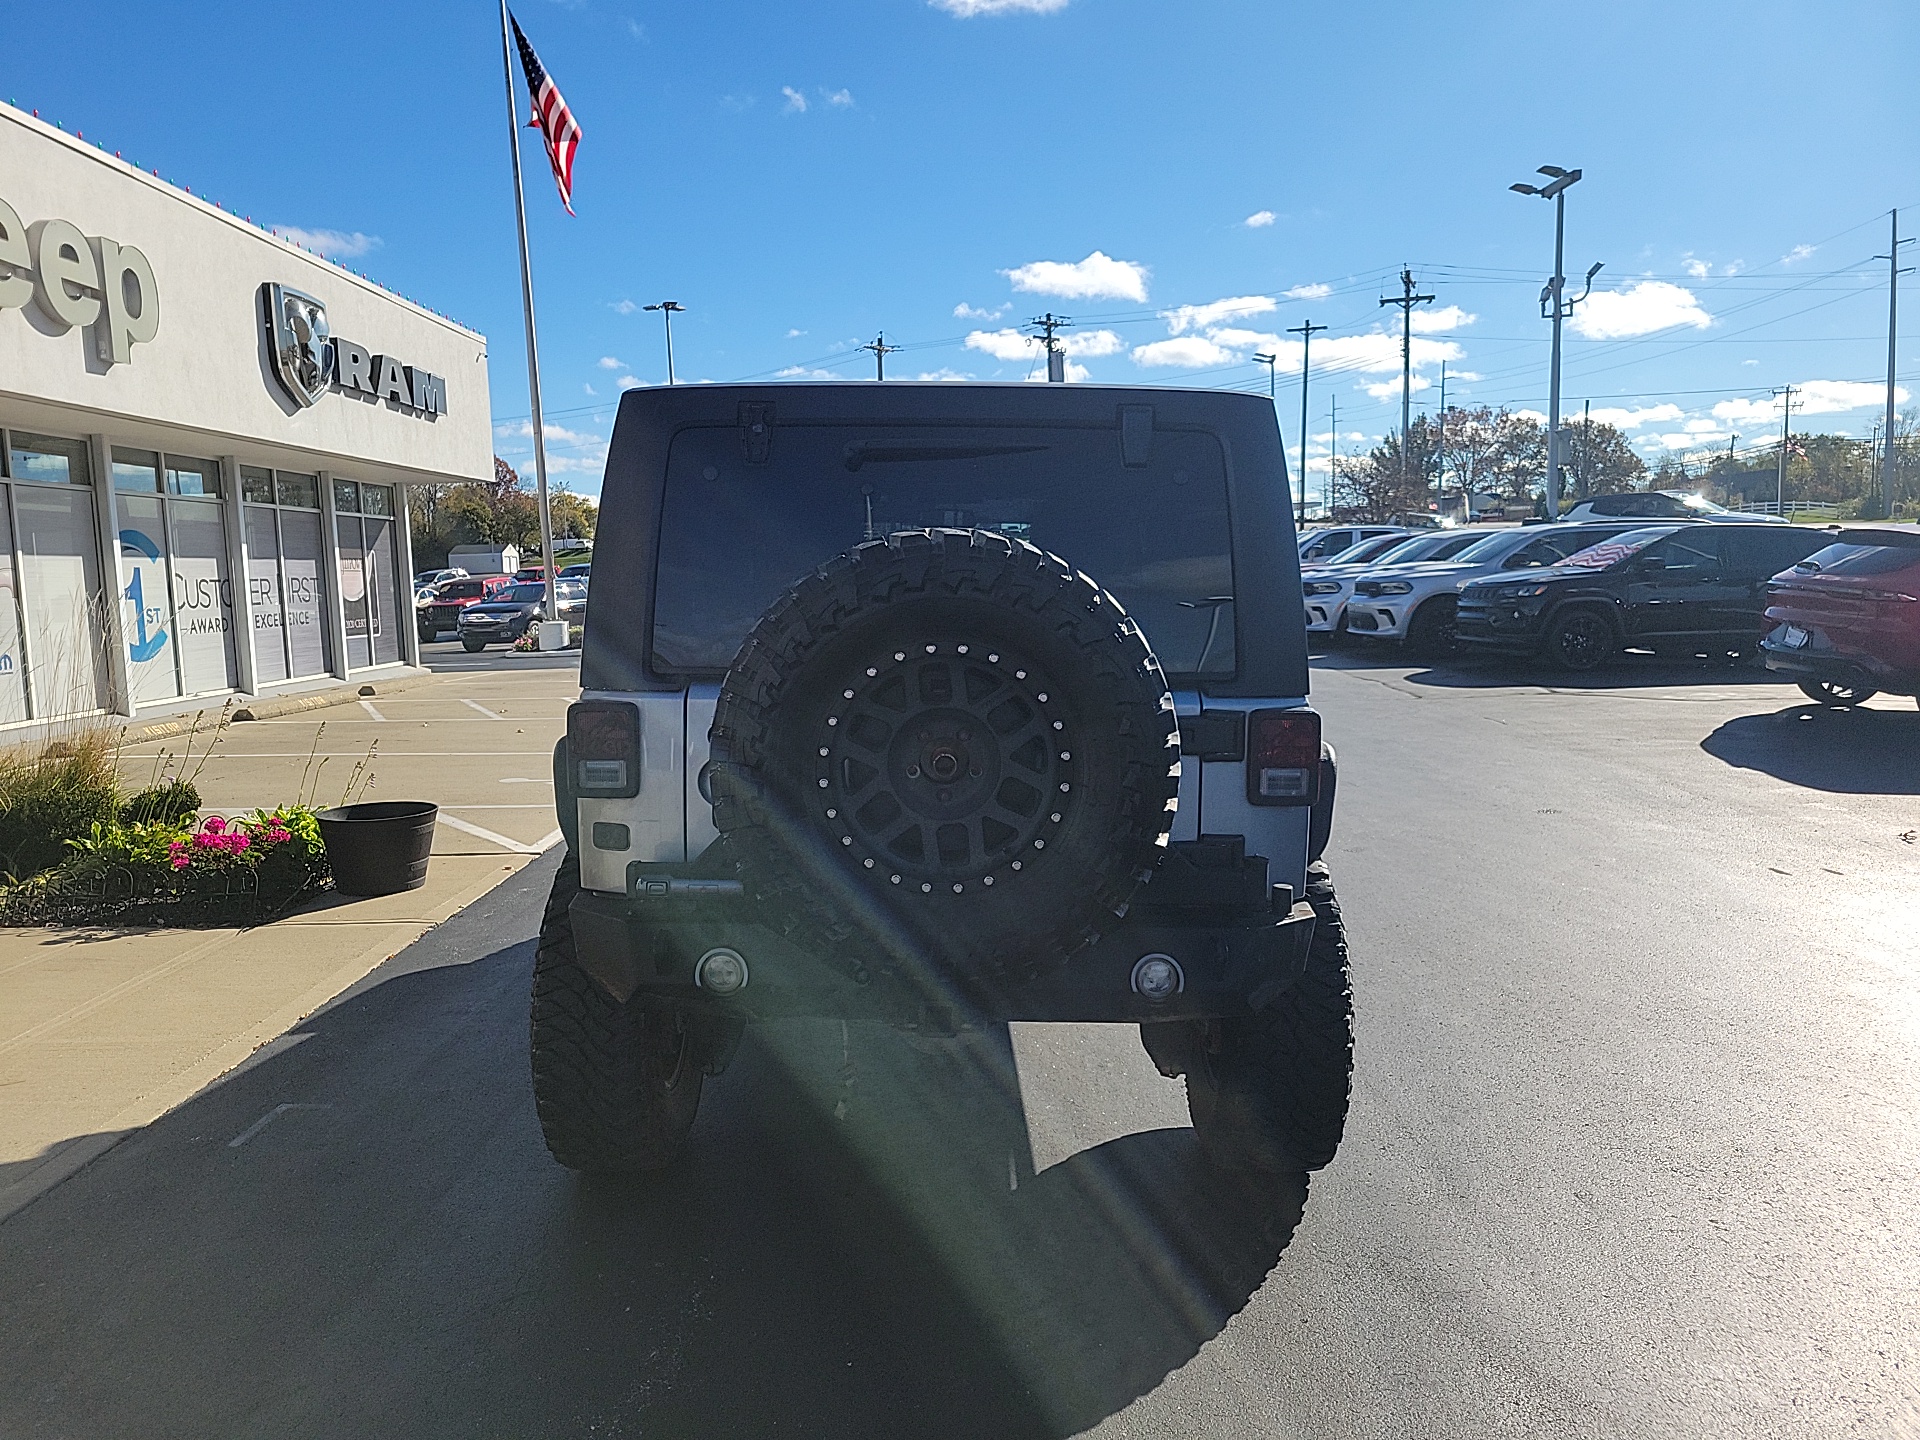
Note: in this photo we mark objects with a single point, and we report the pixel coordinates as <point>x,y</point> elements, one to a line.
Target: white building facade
<point>206,438</point>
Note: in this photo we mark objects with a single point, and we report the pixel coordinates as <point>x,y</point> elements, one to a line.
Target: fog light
<point>721,971</point>
<point>1158,978</point>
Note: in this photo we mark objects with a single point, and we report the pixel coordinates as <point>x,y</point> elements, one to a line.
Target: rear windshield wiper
<point>880,452</point>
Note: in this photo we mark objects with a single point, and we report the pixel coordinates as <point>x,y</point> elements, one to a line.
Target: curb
<point>273,706</point>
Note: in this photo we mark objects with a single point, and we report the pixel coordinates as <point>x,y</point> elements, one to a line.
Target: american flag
<point>551,116</point>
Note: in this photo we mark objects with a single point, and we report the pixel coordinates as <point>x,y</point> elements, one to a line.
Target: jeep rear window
<point>734,535</point>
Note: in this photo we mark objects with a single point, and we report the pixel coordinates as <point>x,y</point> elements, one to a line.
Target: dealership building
<point>206,439</point>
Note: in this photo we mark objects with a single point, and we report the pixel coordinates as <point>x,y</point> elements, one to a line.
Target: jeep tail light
<point>603,746</point>
<point>1283,757</point>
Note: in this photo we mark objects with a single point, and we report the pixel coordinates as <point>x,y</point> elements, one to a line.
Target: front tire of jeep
<point>616,1086</point>
<point>1268,1092</point>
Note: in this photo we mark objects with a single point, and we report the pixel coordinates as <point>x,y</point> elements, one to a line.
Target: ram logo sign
<point>308,359</point>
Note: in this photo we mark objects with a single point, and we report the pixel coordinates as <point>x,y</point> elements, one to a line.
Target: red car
<point>451,597</point>
<point>1845,621</point>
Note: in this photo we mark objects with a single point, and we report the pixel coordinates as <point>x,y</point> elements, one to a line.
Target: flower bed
<point>217,872</point>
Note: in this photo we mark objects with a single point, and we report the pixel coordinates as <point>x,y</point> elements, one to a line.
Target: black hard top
<point>1270,638</point>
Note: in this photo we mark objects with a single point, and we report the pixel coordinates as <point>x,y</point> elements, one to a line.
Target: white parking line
<point>267,1119</point>
<point>537,848</point>
<point>476,705</point>
<point>367,705</point>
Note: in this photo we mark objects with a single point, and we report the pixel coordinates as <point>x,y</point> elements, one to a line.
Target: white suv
<point>1327,587</point>
<point>1324,546</point>
<point>1649,505</point>
<point>1415,603</point>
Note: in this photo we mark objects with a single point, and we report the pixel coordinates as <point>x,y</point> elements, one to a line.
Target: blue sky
<point>1186,180</point>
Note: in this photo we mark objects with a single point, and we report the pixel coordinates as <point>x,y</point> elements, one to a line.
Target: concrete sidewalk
<point>103,1031</point>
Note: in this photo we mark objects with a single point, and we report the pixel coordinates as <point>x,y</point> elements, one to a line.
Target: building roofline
<point>45,130</point>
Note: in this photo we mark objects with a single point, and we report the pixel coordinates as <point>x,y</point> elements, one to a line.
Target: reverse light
<point>1283,757</point>
<point>603,745</point>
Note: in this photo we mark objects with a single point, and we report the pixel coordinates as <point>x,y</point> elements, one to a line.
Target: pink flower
<point>213,825</point>
<point>178,854</point>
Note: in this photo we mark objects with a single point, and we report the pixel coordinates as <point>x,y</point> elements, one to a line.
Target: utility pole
<point>1406,300</point>
<point>881,349</point>
<point>1440,447</point>
<point>1555,306</point>
<point>1585,482</point>
<point>1786,426</point>
<point>1306,332</point>
<point>1269,361</point>
<point>1056,349</point>
<point>1333,461</point>
<point>668,309</point>
<point>1887,452</point>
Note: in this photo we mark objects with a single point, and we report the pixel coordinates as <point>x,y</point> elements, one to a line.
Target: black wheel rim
<point>1581,640</point>
<point>945,766</point>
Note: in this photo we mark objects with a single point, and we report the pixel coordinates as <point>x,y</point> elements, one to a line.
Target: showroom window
<point>286,569</point>
<point>178,599</point>
<point>53,657</point>
<point>369,572</point>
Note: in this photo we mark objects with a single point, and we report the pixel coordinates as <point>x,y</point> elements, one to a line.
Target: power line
<point>1406,300</point>
<point>879,349</point>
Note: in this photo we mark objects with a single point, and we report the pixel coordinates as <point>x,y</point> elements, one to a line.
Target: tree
<point>1600,461</point>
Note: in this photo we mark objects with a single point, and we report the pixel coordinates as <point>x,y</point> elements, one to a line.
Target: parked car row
<point>440,602</point>
<point>1577,594</point>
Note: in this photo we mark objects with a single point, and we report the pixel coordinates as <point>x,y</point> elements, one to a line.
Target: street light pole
<point>1555,305</point>
<point>667,309</point>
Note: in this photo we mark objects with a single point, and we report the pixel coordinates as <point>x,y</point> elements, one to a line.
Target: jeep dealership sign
<point>308,359</point>
<point>79,282</point>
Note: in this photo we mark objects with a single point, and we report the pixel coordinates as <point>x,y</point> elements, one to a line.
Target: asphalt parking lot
<point>1632,1153</point>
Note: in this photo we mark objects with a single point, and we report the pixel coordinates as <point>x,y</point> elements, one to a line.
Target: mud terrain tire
<point>946,746</point>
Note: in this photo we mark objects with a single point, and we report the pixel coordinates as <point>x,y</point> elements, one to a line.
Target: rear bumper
<point>1229,967</point>
<point>1810,663</point>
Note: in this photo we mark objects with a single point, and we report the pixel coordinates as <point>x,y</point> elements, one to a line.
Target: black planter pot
<point>379,848</point>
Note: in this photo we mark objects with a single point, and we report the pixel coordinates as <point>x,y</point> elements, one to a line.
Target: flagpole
<point>526,296</point>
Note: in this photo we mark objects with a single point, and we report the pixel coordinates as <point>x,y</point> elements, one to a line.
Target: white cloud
<point>568,451</point>
<point>631,382</point>
<point>1314,291</point>
<point>332,244</point>
<point>1641,309</point>
<point>943,373</point>
<point>1260,219</point>
<point>1537,417</point>
<point>1698,269</point>
<point>1183,318</point>
<point>1188,352</point>
<point>795,334</point>
<point>589,389</point>
<point>607,362</point>
<point>624,307</point>
<point>968,9</point>
<point>1811,397</point>
<point>801,372</point>
<point>1098,277</point>
<point>1390,389</point>
<point>796,102</point>
<point>1235,338</point>
<point>965,311</point>
<point>1003,344</point>
<point>839,99</point>
<point>1623,418</point>
<point>1798,253</point>
<point>1447,317</point>
<point>1092,342</point>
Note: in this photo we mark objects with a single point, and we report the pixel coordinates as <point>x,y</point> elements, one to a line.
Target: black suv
<point>940,706</point>
<point>1688,589</point>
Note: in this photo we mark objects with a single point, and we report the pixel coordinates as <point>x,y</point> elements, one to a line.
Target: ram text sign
<point>308,358</point>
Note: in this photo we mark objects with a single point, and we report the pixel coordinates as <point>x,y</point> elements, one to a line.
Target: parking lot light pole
<point>1555,306</point>
<point>667,309</point>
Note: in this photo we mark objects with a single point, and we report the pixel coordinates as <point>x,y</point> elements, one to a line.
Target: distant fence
<point>1820,508</point>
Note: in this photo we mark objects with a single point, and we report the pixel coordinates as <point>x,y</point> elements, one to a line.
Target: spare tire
<point>945,746</point>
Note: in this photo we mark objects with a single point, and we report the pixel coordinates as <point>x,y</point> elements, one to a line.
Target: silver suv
<point>942,706</point>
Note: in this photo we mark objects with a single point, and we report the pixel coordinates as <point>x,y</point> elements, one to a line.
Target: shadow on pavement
<point>1846,751</point>
<point>1478,672</point>
<point>362,1234</point>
